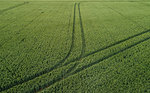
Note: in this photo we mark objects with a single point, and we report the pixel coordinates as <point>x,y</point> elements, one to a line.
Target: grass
<point>74,46</point>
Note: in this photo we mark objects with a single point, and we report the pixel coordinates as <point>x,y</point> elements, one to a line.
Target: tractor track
<point>12,7</point>
<point>63,75</point>
<point>82,33</point>
<point>46,70</point>
<point>70,71</point>
<point>83,49</point>
<point>118,12</point>
<point>21,60</point>
<point>111,45</point>
<point>68,74</point>
<point>106,57</point>
<point>83,40</point>
<point>15,20</point>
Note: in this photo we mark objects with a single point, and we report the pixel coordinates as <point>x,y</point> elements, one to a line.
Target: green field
<point>74,46</point>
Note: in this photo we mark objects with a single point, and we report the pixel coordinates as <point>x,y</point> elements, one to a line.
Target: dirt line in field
<point>12,7</point>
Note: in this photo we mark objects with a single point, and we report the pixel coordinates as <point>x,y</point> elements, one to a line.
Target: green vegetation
<point>74,46</point>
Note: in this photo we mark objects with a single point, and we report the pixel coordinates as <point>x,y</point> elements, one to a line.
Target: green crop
<point>74,46</point>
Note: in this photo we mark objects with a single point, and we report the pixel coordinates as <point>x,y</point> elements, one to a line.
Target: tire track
<point>9,23</point>
<point>62,75</point>
<point>126,17</point>
<point>15,20</point>
<point>18,66</point>
<point>111,45</point>
<point>12,7</point>
<point>46,70</point>
<point>83,40</point>
<point>36,39</point>
<point>78,70</point>
<point>68,74</point>
<point>113,54</point>
<point>22,28</point>
<point>116,43</point>
<point>82,33</point>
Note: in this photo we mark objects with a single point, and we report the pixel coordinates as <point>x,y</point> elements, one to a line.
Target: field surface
<point>74,46</point>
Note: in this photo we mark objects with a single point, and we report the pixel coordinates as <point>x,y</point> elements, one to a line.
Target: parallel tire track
<point>68,74</point>
<point>84,67</point>
<point>46,70</point>
<point>83,43</point>
<point>12,7</point>
<point>110,55</point>
<point>83,40</point>
<point>111,45</point>
<point>118,42</point>
<point>63,60</point>
<point>63,75</point>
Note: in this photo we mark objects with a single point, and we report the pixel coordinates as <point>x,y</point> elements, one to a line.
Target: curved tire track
<point>111,45</point>
<point>83,40</point>
<point>113,54</point>
<point>68,74</point>
<point>12,7</point>
<point>89,65</point>
<point>46,70</point>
